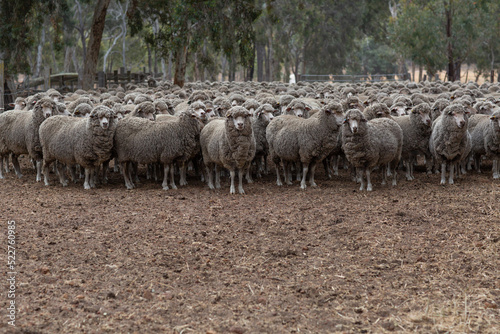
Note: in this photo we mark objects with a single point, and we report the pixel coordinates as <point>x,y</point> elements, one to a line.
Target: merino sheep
<point>251,105</point>
<point>82,110</point>
<point>370,144</point>
<point>263,115</point>
<point>72,106</point>
<point>229,143</point>
<point>377,110</point>
<point>485,137</point>
<point>309,141</point>
<point>438,107</point>
<point>145,110</point>
<point>19,134</point>
<point>416,134</point>
<point>450,140</point>
<point>298,108</point>
<point>142,141</point>
<point>19,103</point>
<point>84,141</point>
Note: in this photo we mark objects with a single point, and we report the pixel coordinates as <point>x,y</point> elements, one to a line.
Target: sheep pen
<point>418,257</point>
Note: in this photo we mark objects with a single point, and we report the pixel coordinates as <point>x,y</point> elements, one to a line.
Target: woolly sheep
<point>82,110</point>
<point>450,140</point>
<point>416,134</point>
<point>263,115</point>
<point>309,141</point>
<point>142,141</point>
<point>485,140</point>
<point>298,108</point>
<point>438,107</point>
<point>19,103</point>
<point>71,107</point>
<point>84,141</point>
<point>144,110</point>
<point>236,99</point>
<point>376,110</point>
<point>251,105</point>
<point>229,143</point>
<point>370,144</point>
<point>19,134</point>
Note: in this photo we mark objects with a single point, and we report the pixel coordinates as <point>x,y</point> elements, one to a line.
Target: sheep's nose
<point>462,123</point>
<point>300,115</point>
<point>355,129</point>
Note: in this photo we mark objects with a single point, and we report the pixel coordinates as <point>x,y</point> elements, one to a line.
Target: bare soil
<point>419,257</point>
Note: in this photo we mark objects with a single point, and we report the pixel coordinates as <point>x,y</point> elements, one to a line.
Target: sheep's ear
<point>189,102</point>
<point>288,108</point>
<point>414,111</point>
<point>346,120</point>
<point>328,111</point>
<point>363,120</point>
<point>493,118</point>
<point>12,104</point>
<point>450,112</point>
<point>307,108</point>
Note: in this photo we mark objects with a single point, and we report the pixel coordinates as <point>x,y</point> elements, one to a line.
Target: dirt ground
<point>419,257</point>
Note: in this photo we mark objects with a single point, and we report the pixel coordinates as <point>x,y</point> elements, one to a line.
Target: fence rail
<point>353,78</point>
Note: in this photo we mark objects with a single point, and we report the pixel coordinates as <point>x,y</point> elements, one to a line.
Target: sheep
<point>19,103</point>
<point>251,105</point>
<point>236,99</point>
<point>284,100</point>
<point>438,107</point>
<point>485,107</point>
<point>19,134</point>
<point>87,142</point>
<point>450,140</point>
<point>298,108</point>
<point>399,109</point>
<point>144,110</point>
<point>416,134</point>
<point>307,140</point>
<point>377,110</point>
<point>229,143</point>
<point>71,107</point>
<point>263,115</point>
<point>369,144</point>
<point>82,110</point>
<point>352,102</point>
<point>142,141</point>
<point>221,106</point>
<point>485,139</point>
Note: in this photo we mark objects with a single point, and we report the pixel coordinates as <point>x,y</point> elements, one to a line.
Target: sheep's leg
<point>183,173</point>
<point>428,164</point>
<point>115,166</point>
<point>311,177</point>
<point>46,167</point>
<point>495,169</point>
<point>452,172</point>
<point>278,179</point>
<point>17,168</point>
<point>135,169</point>
<point>86,184</point>
<point>289,175</point>
<point>327,168</point>
<point>395,175</point>
<point>6,158</point>
<point>61,171</point>
<point>368,180</point>
<point>166,171</point>
<point>240,180</point>
<point>105,167</point>
<point>217,177</point>
<point>361,178</point>
<point>210,176</point>
<point>232,174</point>
<point>172,179</point>
<point>298,169</point>
<point>72,174</point>
<point>1,167</point>
<point>248,173</point>
<point>305,169</point>
<point>335,164</point>
<point>125,166</point>
<point>443,173</point>
<point>38,170</point>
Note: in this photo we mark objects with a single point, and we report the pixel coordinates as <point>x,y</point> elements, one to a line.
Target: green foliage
<point>373,57</point>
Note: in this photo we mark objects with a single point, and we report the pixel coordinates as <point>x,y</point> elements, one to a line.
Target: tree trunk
<point>260,62</point>
<point>250,68</point>
<point>180,66</point>
<point>451,64</point>
<point>169,66</point>
<point>89,68</point>
<point>148,47</point>
<point>413,71</point>
<point>67,59</point>
<point>271,56</point>
<point>124,39</point>
<point>37,71</point>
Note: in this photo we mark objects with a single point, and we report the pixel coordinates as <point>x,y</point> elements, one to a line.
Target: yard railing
<point>353,78</point>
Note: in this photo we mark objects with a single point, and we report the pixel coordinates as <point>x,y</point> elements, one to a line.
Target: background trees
<point>248,39</point>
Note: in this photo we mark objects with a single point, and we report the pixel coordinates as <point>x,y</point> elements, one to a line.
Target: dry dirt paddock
<point>419,258</point>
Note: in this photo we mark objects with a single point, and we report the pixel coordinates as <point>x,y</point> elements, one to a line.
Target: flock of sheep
<point>237,127</point>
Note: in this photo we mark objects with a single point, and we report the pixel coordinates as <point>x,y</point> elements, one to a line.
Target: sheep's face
<point>104,122</point>
<point>19,104</point>
<point>495,121</point>
<point>119,115</point>
<point>130,101</point>
<point>399,110</point>
<point>353,119</point>
<point>266,115</point>
<point>239,122</point>
<point>200,113</point>
<point>459,117</point>
<point>47,111</point>
<point>210,113</point>
<point>55,97</point>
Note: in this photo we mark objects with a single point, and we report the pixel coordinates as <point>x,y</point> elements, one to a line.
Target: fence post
<point>129,79</point>
<point>492,76</point>
<point>2,86</point>
<point>115,76</point>
<point>46,78</point>
<point>101,79</point>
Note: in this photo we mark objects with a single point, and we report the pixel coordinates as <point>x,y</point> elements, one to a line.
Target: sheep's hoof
<point>313,184</point>
<point>369,188</point>
<point>241,191</point>
<point>183,183</point>
<point>289,183</point>
<point>19,175</point>
<point>394,183</point>
<point>64,184</point>
<point>86,187</point>
<point>217,186</point>
<point>496,176</point>
<point>232,190</point>
<point>451,182</point>
<point>443,182</point>
<point>249,180</point>
<point>173,186</point>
